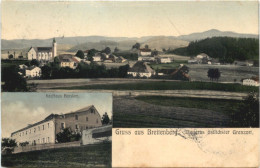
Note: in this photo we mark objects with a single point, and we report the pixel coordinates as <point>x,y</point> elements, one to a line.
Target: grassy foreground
<point>168,85</point>
<point>98,155</point>
<point>218,105</point>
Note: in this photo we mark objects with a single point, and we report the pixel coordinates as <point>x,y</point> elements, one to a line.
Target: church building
<point>43,54</point>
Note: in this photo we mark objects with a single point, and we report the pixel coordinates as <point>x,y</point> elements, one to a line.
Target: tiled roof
<point>141,67</point>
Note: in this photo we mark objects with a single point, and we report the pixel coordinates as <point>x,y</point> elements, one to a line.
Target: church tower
<point>54,48</point>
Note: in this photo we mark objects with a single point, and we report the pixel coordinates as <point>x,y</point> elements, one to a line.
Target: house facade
<point>164,60</point>
<point>251,82</point>
<point>145,52</point>
<point>141,69</point>
<point>43,54</point>
<point>45,131</point>
<point>33,72</point>
<point>68,60</point>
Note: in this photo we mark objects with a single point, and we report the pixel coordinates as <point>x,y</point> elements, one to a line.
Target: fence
<point>46,146</point>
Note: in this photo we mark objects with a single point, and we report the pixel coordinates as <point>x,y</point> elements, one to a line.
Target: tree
<point>248,113</point>
<point>24,143</point>
<point>8,142</point>
<point>46,72</point>
<point>105,119</point>
<point>137,46</point>
<point>13,82</point>
<point>107,50</point>
<point>80,54</point>
<point>116,49</point>
<point>146,46</point>
<point>67,136</point>
<point>214,74</point>
<point>155,53</point>
<point>11,56</point>
<point>64,136</point>
<point>34,62</point>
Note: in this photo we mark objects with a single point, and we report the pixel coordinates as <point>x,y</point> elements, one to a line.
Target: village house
<point>85,53</point>
<point>45,131</point>
<point>67,60</point>
<point>33,72</point>
<point>141,69</point>
<point>120,59</point>
<point>43,54</point>
<point>254,81</point>
<point>164,60</point>
<point>145,52</point>
<point>97,58</point>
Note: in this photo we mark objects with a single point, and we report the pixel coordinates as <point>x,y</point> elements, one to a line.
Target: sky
<point>41,20</point>
<point>20,109</point>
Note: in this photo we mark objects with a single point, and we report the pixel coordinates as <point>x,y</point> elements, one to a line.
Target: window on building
<point>26,133</point>
<point>38,140</point>
<point>34,130</point>
<point>62,125</point>
<point>86,118</point>
<point>20,134</point>
<point>76,126</point>
<point>48,139</point>
<point>42,127</point>
<point>48,125</point>
<point>39,128</point>
<point>43,140</point>
<point>76,117</point>
<point>30,131</point>
<point>97,121</point>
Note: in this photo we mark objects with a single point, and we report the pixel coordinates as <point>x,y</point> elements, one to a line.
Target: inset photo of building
<point>71,127</point>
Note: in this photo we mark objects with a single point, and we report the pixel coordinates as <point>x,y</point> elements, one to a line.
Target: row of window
<point>42,127</point>
<point>42,140</point>
<point>77,126</point>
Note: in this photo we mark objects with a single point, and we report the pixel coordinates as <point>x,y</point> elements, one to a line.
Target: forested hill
<point>227,49</point>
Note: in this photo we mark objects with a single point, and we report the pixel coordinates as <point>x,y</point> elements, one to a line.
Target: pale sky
<point>20,109</point>
<point>31,20</point>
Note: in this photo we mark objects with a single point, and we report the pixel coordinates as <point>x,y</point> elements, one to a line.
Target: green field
<point>219,105</point>
<point>127,115</point>
<point>98,155</point>
<point>122,120</point>
<point>172,65</point>
<point>168,85</point>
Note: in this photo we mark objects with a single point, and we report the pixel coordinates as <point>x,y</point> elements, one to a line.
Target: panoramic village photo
<point>56,129</point>
<point>167,64</point>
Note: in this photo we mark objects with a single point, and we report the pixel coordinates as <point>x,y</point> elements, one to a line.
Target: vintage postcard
<point>180,72</point>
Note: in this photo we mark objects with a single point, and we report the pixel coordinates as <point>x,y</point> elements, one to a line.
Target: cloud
<point>16,115</point>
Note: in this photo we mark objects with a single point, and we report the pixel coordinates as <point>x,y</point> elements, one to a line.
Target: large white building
<point>45,131</point>
<point>254,81</point>
<point>43,54</point>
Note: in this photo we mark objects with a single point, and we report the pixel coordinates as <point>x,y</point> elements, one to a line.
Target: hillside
<point>161,42</point>
<point>226,49</point>
<point>215,33</point>
<point>123,43</point>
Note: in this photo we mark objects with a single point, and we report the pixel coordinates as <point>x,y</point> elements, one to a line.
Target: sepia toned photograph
<point>56,129</point>
<point>167,64</point>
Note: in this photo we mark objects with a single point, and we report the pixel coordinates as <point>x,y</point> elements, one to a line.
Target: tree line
<point>83,70</point>
<point>226,49</point>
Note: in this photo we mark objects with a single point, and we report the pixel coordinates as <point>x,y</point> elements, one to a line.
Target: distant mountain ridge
<point>99,42</point>
<point>215,33</point>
